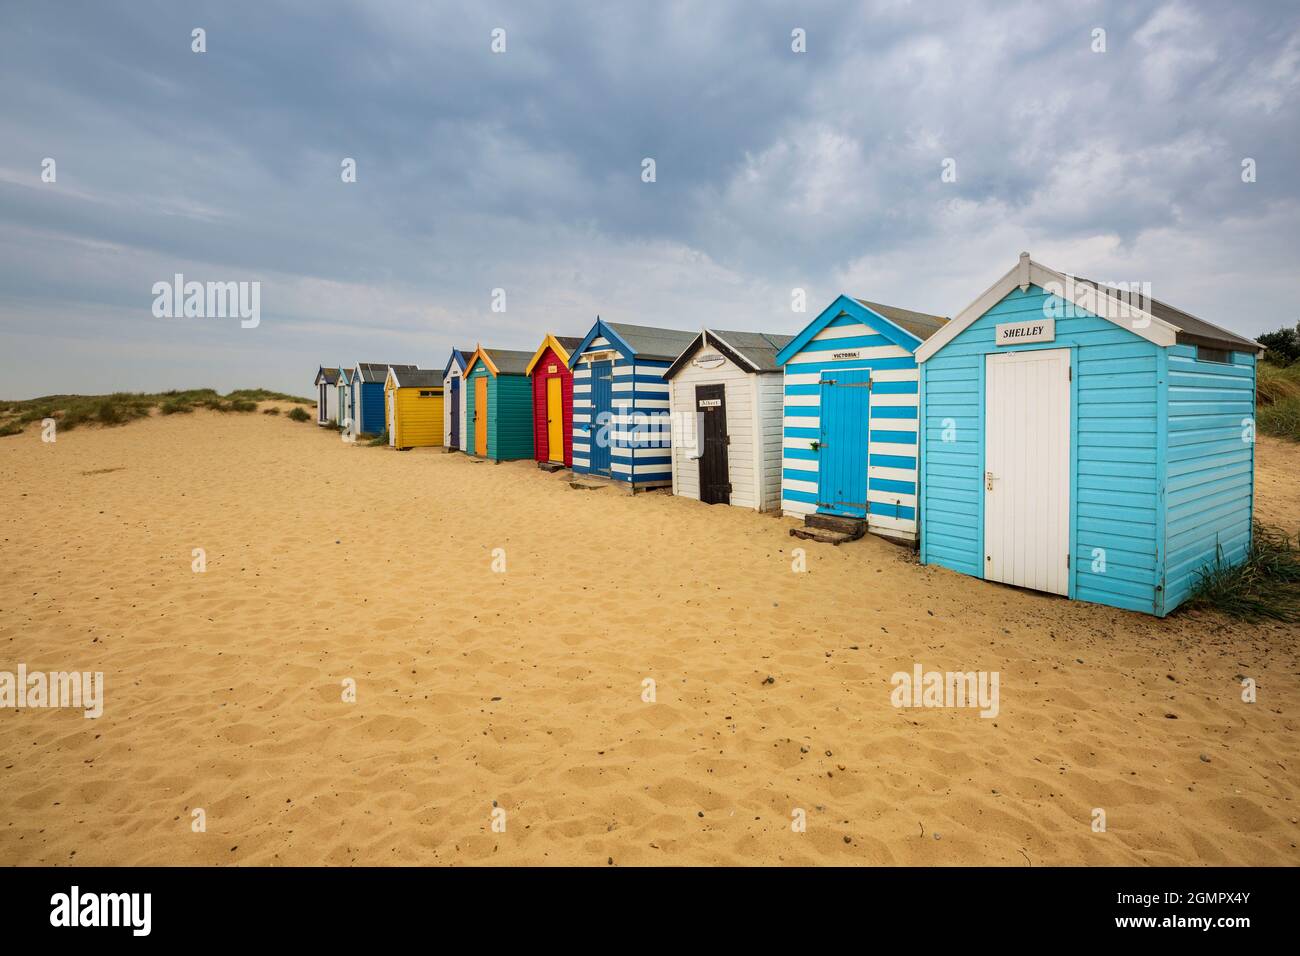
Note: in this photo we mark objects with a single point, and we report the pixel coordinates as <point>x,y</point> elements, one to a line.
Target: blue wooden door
<point>602,393</point>
<point>454,442</point>
<point>842,454</point>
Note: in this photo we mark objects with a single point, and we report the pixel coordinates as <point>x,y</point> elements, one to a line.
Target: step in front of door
<point>855,527</point>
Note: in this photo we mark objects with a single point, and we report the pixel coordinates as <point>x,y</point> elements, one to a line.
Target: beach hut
<point>368,412</point>
<point>344,403</point>
<point>621,422</point>
<point>850,431</point>
<point>453,406</point>
<point>552,384</point>
<point>498,405</point>
<point>327,395</point>
<point>725,393</point>
<point>414,399</point>
<point>1086,440</point>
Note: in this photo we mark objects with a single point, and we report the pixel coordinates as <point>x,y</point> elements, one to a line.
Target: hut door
<point>480,415</point>
<point>392,418</point>
<point>454,441</point>
<point>555,418</point>
<point>602,394</point>
<point>711,413</point>
<point>1027,469</point>
<point>842,450</point>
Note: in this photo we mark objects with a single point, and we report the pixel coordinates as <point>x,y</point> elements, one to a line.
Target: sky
<point>907,155</point>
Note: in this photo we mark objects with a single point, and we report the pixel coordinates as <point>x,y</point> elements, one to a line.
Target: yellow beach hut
<point>413,407</point>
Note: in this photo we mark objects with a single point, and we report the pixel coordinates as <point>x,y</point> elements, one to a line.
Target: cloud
<point>521,170</point>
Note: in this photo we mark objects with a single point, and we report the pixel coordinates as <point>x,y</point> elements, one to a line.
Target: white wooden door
<point>1027,469</point>
<point>392,418</point>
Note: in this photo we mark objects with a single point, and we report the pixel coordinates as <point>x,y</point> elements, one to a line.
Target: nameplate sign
<point>1017,333</point>
<point>708,360</point>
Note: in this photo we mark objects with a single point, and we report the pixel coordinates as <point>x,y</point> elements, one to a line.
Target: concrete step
<point>823,535</point>
<point>853,527</point>
<point>550,466</point>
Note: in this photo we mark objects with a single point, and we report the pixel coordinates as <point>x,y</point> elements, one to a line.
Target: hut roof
<point>751,351</point>
<point>1148,318</point>
<point>377,371</point>
<point>460,357</point>
<point>408,376</point>
<point>330,376</point>
<point>920,324</point>
<point>652,343</point>
<point>1191,330</point>
<point>506,361</point>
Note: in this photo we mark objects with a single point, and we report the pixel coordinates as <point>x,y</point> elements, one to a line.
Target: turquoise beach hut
<point>849,452</point>
<point>1086,440</point>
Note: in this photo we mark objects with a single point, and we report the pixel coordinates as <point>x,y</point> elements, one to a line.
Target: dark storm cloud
<point>522,170</point>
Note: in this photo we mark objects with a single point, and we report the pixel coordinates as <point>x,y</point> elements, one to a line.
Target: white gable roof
<point>1121,311</point>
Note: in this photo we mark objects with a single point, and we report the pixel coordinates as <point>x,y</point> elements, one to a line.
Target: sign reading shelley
<point>1017,333</point>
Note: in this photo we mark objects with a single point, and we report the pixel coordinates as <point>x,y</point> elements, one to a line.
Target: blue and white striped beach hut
<point>850,427</point>
<point>621,419</point>
<point>1086,441</point>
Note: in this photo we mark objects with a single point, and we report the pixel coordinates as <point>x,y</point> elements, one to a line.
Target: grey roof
<point>408,376</point>
<point>330,375</point>
<point>1191,330</point>
<point>920,324</point>
<point>509,361</point>
<point>569,342</point>
<point>378,371</point>
<point>758,348</point>
<point>748,351</point>
<point>653,343</point>
<point>347,374</point>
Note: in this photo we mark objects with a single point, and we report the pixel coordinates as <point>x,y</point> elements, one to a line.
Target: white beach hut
<point>725,392</point>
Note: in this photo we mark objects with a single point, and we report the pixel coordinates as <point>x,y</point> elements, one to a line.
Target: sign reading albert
<point>1015,333</point>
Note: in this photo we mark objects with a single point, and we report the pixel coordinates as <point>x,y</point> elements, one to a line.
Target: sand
<point>522,690</point>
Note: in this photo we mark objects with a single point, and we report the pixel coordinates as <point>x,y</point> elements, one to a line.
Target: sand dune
<point>523,689</point>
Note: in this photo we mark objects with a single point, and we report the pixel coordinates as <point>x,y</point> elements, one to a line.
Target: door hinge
<point>1070,373</point>
<point>1067,562</point>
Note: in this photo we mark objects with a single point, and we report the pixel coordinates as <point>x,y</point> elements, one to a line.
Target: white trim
<point>1152,329</point>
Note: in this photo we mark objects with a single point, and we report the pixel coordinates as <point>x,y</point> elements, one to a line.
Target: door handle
<point>989,478</point>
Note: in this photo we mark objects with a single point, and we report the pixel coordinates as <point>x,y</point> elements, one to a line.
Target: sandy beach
<point>522,690</point>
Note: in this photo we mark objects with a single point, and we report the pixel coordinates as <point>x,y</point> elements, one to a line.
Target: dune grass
<point>299,414</point>
<point>1266,586</point>
<point>122,407</point>
<point>1277,400</point>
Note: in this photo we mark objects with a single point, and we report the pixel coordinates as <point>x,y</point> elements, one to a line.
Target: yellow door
<point>555,418</point>
<point>480,415</point>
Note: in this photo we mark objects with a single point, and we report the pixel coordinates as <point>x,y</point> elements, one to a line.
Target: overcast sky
<point>522,170</point>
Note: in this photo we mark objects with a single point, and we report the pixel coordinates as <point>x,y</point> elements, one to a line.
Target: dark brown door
<point>711,412</point>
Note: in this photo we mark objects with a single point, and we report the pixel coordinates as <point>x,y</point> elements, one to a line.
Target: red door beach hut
<point>552,382</point>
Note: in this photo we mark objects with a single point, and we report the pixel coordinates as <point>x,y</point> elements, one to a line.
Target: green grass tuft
<point>299,414</point>
<point>1266,586</point>
<point>123,407</point>
<point>1277,400</point>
